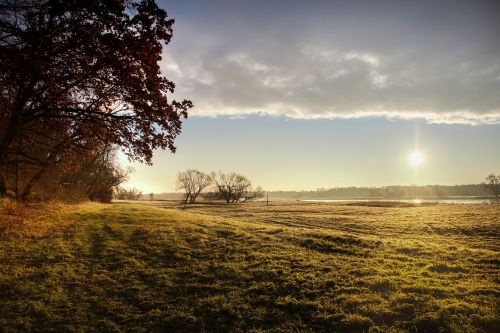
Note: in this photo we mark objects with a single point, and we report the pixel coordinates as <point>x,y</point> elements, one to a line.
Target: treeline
<point>87,174</point>
<point>490,188</point>
<point>122,193</point>
<point>229,187</point>
<point>386,192</point>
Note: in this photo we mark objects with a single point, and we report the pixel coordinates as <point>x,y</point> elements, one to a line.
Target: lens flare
<point>416,159</point>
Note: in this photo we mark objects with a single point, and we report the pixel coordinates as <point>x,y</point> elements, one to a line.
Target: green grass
<point>293,267</point>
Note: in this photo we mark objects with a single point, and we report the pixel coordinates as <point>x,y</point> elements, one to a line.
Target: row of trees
<point>79,79</point>
<point>490,186</point>
<point>230,187</point>
<point>93,177</point>
<point>122,193</point>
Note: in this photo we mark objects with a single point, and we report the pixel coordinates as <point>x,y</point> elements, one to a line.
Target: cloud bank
<point>311,60</point>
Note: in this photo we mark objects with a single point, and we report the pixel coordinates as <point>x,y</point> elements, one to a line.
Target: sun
<point>416,159</point>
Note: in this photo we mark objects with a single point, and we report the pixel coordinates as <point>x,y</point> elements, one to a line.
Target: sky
<point>309,94</point>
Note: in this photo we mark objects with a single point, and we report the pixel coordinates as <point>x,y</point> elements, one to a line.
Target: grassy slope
<point>290,267</point>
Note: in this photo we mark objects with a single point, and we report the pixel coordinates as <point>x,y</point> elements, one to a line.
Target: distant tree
<point>492,184</point>
<point>394,192</point>
<point>375,192</point>
<point>252,194</point>
<point>192,182</point>
<point>100,176</point>
<point>76,75</point>
<point>233,187</point>
<point>151,196</point>
<point>122,193</point>
<point>435,190</point>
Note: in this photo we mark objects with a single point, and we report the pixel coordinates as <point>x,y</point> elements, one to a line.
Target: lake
<point>443,201</point>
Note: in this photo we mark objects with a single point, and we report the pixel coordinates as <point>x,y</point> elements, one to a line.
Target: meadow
<point>286,267</point>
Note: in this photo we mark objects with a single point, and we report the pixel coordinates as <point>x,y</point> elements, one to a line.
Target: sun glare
<point>416,159</point>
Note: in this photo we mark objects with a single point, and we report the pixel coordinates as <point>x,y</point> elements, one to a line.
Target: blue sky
<point>301,95</point>
<point>280,153</point>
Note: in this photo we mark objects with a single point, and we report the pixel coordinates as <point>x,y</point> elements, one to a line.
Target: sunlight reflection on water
<point>415,201</point>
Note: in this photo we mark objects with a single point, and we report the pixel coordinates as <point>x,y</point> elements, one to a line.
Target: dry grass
<point>284,267</point>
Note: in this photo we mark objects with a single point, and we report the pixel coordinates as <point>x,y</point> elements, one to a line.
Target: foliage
<point>79,76</point>
<point>285,267</point>
<point>92,178</point>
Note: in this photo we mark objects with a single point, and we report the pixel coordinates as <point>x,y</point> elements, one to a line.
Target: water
<point>416,201</point>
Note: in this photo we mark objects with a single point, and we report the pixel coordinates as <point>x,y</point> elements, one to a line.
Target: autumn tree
<point>100,176</point>
<point>80,75</point>
<point>93,177</point>
<point>192,182</point>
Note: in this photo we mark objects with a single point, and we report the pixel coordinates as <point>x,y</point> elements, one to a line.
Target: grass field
<point>293,267</point>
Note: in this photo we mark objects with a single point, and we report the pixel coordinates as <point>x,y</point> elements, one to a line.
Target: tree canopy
<point>81,75</point>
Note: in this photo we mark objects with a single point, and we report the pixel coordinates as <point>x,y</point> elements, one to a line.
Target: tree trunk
<point>6,141</point>
<point>25,195</point>
<point>14,124</point>
<point>3,185</point>
<point>16,185</point>
<point>96,178</point>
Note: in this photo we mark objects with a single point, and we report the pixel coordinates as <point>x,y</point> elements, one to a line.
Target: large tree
<point>81,74</point>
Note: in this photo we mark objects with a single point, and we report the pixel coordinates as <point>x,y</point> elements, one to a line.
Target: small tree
<point>253,194</point>
<point>192,182</point>
<point>127,194</point>
<point>492,184</point>
<point>231,187</point>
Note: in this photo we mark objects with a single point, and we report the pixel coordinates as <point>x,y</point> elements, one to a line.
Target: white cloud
<point>307,87</point>
<point>243,60</point>
<point>371,65</point>
<point>368,58</point>
<point>170,68</point>
<point>379,80</point>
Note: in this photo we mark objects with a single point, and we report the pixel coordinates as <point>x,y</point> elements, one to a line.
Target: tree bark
<point>3,185</point>
<point>25,195</point>
<point>6,142</point>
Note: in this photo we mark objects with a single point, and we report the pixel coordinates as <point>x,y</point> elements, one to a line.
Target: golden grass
<point>249,267</point>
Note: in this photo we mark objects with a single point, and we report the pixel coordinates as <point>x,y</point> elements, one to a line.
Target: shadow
<point>324,247</point>
<point>97,245</point>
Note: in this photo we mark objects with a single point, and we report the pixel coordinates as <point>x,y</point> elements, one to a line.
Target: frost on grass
<point>284,267</point>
